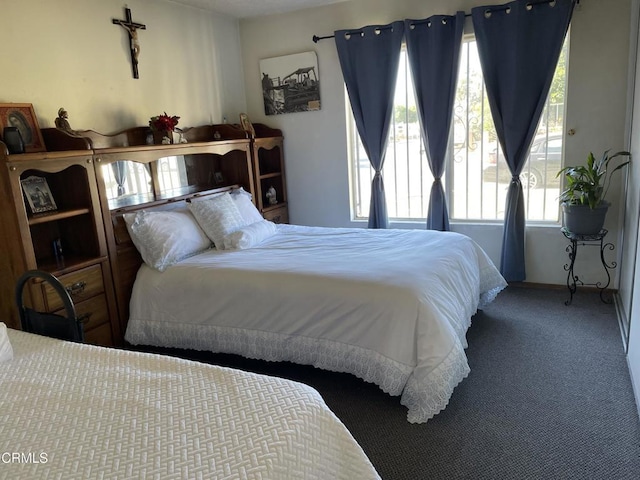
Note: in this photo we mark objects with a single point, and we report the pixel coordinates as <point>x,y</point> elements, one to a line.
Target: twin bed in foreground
<point>74,411</point>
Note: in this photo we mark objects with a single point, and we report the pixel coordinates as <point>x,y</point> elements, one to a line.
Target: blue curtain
<point>120,170</point>
<point>369,60</point>
<point>433,48</point>
<point>519,44</point>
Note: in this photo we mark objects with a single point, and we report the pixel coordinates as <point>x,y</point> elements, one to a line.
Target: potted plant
<point>583,200</point>
<point>164,125</point>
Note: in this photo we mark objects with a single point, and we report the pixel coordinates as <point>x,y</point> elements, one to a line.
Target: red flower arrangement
<point>164,123</point>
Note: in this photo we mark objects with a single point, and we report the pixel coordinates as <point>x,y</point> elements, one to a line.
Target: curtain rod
<point>316,38</point>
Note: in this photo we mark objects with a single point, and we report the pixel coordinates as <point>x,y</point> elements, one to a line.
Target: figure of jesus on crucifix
<point>135,44</point>
<point>132,29</point>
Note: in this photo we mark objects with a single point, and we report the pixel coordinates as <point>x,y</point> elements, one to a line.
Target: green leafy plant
<point>588,184</point>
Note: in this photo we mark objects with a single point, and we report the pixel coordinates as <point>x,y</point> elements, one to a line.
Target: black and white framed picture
<point>290,83</point>
<point>36,190</point>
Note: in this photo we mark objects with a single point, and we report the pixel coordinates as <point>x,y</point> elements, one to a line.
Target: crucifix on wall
<point>132,29</point>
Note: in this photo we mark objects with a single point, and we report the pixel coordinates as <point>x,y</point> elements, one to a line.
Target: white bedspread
<point>389,306</point>
<point>70,411</point>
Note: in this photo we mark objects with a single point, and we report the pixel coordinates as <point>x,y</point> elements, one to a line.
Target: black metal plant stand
<point>572,249</point>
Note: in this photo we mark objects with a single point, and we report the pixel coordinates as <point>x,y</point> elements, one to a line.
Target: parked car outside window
<point>540,169</point>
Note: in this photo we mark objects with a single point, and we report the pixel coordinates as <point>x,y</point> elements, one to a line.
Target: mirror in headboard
<point>185,174</point>
<point>127,183</point>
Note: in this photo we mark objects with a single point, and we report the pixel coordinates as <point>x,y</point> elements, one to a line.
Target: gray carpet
<point>548,397</point>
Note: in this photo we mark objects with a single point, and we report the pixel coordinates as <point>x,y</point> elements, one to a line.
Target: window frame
<point>355,150</point>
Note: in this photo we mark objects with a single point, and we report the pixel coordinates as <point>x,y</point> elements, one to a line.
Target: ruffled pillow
<point>165,238</point>
<point>250,235</point>
<point>218,216</point>
<point>247,209</point>
<point>6,352</point>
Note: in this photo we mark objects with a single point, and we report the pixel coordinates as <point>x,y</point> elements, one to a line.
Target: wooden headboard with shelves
<point>214,159</point>
<point>92,184</point>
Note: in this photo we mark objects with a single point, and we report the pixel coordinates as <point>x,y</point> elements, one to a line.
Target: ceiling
<point>254,8</point>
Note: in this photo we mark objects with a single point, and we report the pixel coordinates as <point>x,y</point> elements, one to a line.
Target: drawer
<point>277,215</point>
<point>95,310</point>
<point>99,336</point>
<point>81,285</point>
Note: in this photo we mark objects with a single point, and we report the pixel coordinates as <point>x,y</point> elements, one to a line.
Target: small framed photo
<point>246,125</point>
<point>23,117</point>
<point>40,199</point>
<point>219,179</point>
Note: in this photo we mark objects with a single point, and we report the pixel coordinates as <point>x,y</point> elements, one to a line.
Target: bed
<point>78,411</point>
<point>389,306</point>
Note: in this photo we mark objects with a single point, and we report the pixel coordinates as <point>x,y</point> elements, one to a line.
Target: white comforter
<point>389,306</point>
<point>71,411</point>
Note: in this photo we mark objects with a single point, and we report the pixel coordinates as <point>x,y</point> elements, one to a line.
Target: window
<point>476,177</point>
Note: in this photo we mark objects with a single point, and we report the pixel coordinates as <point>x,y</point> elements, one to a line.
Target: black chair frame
<point>45,323</point>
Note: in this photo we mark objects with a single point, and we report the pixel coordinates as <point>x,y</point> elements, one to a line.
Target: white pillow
<point>250,235</point>
<point>248,210</point>
<point>165,238</point>
<point>217,216</point>
<point>6,352</point>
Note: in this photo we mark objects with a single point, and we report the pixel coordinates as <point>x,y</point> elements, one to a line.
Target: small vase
<point>162,137</point>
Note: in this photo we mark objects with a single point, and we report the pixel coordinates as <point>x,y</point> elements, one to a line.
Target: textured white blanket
<point>389,306</point>
<point>70,411</point>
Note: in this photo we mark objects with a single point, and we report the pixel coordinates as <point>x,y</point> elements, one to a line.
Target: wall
<point>68,53</point>
<point>630,281</point>
<point>316,142</point>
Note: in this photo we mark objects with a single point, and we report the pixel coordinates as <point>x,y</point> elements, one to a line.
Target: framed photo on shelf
<point>23,117</point>
<point>38,194</point>
<point>246,125</point>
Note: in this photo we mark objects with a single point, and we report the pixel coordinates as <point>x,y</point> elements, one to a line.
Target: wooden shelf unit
<point>268,165</point>
<point>78,226</point>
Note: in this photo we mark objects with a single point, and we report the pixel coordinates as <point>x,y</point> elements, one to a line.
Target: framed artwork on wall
<point>290,83</point>
<point>23,117</point>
